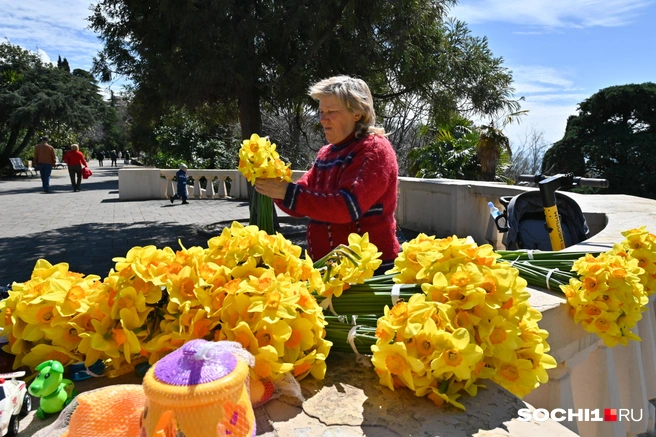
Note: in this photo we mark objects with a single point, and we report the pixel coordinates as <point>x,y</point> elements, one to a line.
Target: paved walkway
<point>88,228</point>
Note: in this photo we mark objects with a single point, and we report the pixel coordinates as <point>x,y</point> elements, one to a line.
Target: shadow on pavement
<point>89,248</point>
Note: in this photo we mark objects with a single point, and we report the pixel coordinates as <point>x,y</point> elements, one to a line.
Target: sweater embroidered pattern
<point>351,188</point>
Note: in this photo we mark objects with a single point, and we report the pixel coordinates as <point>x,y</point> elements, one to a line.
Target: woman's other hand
<point>273,188</point>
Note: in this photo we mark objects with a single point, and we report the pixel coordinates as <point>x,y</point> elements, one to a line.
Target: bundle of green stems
<point>364,335</point>
<point>543,269</point>
<point>264,207</point>
<point>369,298</point>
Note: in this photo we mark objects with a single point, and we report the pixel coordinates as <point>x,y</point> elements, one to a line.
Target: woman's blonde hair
<point>75,147</point>
<point>356,97</point>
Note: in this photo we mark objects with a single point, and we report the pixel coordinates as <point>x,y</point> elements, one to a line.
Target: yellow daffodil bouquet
<point>258,159</point>
<point>472,322</point>
<point>607,291</point>
<point>47,316</point>
<point>610,294</point>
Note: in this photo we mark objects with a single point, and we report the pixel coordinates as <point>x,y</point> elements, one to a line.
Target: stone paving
<point>88,228</point>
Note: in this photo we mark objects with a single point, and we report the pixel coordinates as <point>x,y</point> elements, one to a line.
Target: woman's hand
<point>273,188</point>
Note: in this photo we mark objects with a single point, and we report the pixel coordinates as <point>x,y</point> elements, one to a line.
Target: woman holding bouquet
<point>352,185</point>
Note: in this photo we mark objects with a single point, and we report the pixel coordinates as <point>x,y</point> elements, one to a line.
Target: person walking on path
<point>126,156</point>
<point>44,160</point>
<point>113,157</point>
<point>100,156</point>
<point>75,159</point>
<point>182,185</point>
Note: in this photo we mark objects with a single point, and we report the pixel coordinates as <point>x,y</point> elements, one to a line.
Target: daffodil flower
<point>457,356</point>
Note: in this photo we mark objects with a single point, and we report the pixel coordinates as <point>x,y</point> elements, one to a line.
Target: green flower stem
<point>264,213</point>
<point>364,338</point>
<point>365,299</point>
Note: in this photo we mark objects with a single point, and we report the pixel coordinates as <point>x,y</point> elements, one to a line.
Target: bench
<point>60,164</point>
<point>19,167</point>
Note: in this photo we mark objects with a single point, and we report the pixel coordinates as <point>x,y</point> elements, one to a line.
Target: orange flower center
<point>264,338</point>
<point>510,373</point>
<point>57,356</point>
<point>71,336</point>
<point>498,336</point>
<point>619,273</point>
<point>202,328</point>
<point>592,311</point>
<point>273,300</point>
<point>294,339</point>
<point>489,286</point>
<point>262,369</point>
<point>187,288</point>
<point>399,312</point>
<point>119,336</point>
<point>301,368</point>
<point>425,347</point>
<point>452,358</point>
<point>590,283</point>
<point>395,364</point>
<point>460,279</point>
<point>45,314</point>
<point>243,339</point>
<point>75,294</point>
<point>602,324</point>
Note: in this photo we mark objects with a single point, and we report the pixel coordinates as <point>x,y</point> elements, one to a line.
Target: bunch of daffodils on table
<point>472,322</point>
<point>246,286</point>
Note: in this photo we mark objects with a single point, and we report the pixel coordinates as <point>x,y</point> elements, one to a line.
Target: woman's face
<point>338,123</point>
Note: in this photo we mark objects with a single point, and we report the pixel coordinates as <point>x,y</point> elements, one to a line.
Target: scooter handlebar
<point>590,182</point>
<point>583,182</point>
<point>535,178</point>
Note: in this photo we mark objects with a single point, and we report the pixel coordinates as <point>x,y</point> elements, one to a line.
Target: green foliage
<point>192,138</point>
<point>612,137</point>
<point>35,97</point>
<point>451,153</point>
<point>243,55</point>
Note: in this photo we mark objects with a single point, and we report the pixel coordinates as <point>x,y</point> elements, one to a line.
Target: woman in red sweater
<point>75,160</point>
<point>352,186</point>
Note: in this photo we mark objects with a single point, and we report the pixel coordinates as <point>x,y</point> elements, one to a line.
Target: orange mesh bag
<point>200,390</point>
<point>113,411</point>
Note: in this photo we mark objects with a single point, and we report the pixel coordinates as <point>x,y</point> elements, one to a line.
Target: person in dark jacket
<point>100,156</point>
<point>182,185</point>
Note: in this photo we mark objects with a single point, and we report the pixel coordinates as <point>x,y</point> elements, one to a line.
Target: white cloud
<point>551,14</point>
<point>51,28</point>
<point>550,96</point>
<point>44,57</point>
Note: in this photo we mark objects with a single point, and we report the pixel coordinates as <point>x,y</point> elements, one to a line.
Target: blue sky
<point>560,51</point>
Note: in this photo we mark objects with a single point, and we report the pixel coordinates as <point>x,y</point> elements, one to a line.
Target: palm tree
<point>492,143</point>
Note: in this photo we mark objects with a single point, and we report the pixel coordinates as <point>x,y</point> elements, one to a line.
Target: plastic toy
<point>79,372</point>
<point>50,385</point>
<point>200,390</point>
<point>15,402</point>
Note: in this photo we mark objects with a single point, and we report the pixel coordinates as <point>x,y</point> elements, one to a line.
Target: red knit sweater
<point>351,188</point>
<point>74,157</point>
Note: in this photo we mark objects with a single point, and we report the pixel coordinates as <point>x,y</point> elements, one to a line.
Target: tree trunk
<point>27,140</point>
<point>250,121</point>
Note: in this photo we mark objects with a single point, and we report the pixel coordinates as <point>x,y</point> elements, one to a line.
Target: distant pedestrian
<point>100,156</point>
<point>126,155</point>
<point>113,156</point>
<point>182,185</point>
<point>44,160</point>
<point>75,160</point>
